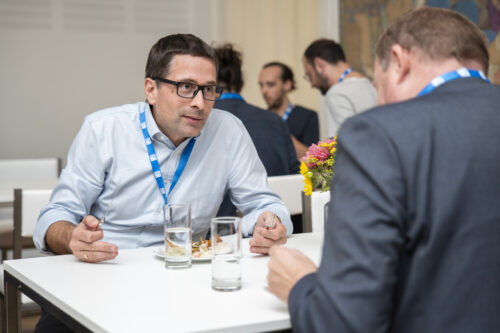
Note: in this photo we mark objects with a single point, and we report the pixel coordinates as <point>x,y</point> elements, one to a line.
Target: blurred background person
<point>347,91</point>
<point>269,133</point>
<point>276,81</point>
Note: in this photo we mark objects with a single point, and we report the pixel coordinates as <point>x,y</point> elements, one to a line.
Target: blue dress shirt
<point>109,155</point>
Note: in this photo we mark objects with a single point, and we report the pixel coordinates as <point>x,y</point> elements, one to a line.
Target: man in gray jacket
<point>413,236</point>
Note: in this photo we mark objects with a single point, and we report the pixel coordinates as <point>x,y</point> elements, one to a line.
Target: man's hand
<point>286,267</point>
<point>85,242</point>
<point>264,237</point>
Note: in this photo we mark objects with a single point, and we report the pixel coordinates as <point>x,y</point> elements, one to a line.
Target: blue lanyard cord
<point>346,72</point>
<point>450,76</point>
<point>231,96</point>
<point>287,112</point>
<point>153,158</point>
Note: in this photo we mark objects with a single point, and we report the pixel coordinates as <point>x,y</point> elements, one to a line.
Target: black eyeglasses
<point>189,90</point>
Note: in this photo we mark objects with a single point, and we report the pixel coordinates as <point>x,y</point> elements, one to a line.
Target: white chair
<point>315,209</point>
<point>289,188</point>
<point>27,206</point>
<point>29,170</point>
<point>36,173</point>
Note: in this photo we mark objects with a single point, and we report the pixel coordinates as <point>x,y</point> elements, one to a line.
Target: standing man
<point>413,236</point>
<point>276,81</point>
<point>347,91</point>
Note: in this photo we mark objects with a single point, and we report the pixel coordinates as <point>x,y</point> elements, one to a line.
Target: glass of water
<point>177,235</point>
<point>226,253</point>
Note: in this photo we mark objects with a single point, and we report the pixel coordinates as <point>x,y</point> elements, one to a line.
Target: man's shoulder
<point>222,117</point>
<point>115,113</point>
<point>356,84</point>
<point>299,109</point>
<point>247,112</point>
<point>453,100</point>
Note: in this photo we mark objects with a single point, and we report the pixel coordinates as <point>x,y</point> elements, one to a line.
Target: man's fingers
<point>96,256</point>
<point>91,221</point>
<point>276,233</point>
<point>86,235</point>
<point>259,249</point>
<point>98,251</point>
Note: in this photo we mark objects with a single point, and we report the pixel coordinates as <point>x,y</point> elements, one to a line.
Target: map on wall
<point>362,22</point>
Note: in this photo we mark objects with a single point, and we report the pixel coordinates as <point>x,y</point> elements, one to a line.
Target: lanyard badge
<point>153,158</point>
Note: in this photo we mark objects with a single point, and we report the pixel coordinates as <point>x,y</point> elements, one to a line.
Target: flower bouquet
<point>317,166</point>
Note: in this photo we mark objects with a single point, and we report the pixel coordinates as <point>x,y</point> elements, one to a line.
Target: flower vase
<point>314,211</point>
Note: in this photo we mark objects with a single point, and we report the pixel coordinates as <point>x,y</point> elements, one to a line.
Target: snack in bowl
<point>202,249</point>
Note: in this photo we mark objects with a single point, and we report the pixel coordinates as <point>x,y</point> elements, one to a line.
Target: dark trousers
<point>50,324</point>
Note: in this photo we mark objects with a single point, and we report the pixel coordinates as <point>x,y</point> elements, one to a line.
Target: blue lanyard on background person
<point>346,72</point>
<point>231,95</point>
<point>287,112</point>
<point>153,158</point>
<point>450,76</point>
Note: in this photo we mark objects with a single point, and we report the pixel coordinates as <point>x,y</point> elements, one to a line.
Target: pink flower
<point>329,141</point>
<point>321,153</point>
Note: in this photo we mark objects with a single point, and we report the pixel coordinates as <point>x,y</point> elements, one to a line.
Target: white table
<point>136,293</point>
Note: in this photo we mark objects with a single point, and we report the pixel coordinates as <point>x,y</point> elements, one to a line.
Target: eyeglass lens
<point>188,90</point>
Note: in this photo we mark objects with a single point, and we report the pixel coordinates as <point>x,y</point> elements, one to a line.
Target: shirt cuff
<point>43,224</point>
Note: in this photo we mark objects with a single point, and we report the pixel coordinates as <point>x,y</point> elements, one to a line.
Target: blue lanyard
<point>231,96</point>
<point>450,76</point>
<point>346,72</point>
<point>153,158</point>
<point>287,112</point>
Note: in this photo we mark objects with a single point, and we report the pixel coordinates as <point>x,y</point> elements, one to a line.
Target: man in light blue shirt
<point>132,154</point>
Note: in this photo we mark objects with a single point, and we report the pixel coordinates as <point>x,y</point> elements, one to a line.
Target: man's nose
<point>198,100</point>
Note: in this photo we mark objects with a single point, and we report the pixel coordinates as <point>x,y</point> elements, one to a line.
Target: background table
<point>136,293</point>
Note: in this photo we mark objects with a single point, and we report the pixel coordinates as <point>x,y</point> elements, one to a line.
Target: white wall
<point>63,59</point>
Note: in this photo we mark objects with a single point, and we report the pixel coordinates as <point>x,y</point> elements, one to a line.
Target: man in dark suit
<point>412,242</point>
<point>269,134</point>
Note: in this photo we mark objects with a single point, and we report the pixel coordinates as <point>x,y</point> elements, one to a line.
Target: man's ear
<point>287,85</point>
<point>151,90</point>
<point>319,64</point>
<point>400,62</point>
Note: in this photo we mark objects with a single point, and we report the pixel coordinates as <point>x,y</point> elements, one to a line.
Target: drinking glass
<point>226,253</point>
<point>177,235</point>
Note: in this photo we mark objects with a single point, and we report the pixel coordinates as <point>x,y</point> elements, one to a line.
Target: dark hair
<point>229,75</point>
<point>162,53</point>
<point>438,33</point>
<point>286,72</point>
<point>325,49</point>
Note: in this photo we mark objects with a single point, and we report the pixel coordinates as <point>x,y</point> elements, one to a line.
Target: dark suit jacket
<point>412,242</point>
<point>271,138</point>
<point>304,125</point>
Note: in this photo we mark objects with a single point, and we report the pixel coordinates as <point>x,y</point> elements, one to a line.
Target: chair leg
<point>4,254</point>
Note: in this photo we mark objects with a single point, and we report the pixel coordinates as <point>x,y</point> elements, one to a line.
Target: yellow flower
<point>303,168</point>
<point>308,186</point>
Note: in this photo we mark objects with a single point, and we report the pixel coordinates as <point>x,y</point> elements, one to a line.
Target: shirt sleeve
<point>79,185</point>
<point>354,288</point>
<point>248,186</point>
<point>311,131</point>
<point>338,108</point>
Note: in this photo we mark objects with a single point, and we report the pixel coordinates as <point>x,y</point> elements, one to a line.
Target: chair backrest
<point>289,188</point>
<point>27,207</point>
<point>29,170</point>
